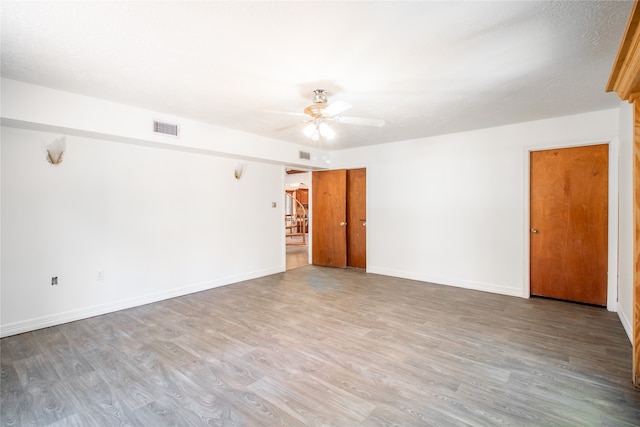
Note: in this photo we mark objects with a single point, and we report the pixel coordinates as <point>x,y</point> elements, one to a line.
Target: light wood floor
<point>297,256</point>
<point>326,347</point>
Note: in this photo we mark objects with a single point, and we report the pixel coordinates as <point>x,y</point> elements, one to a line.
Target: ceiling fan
<point>321,112</point>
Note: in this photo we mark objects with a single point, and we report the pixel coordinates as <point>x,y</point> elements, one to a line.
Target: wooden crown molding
<point>625,75</point>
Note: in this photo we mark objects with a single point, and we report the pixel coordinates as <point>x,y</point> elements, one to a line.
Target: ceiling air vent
<point>305,155</point>
<point>165,128</point>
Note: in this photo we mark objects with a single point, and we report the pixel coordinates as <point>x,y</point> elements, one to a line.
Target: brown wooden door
<point>357,218</point>
<point>328,229</point>
<point>569,215</point>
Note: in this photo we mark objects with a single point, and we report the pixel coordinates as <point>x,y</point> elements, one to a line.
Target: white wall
<point>159,222</point>
<point>39,108</point>
<point>299,178</point>
<point>453,209</point>
<point>626,230</point>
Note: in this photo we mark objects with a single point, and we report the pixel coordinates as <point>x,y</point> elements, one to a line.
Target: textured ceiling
<point>426,68</point>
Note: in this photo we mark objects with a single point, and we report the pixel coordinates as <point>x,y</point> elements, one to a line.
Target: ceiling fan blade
<point>288,113</point>
<point>360,121</point>
<point>336,108</point>
<point>283,128</point>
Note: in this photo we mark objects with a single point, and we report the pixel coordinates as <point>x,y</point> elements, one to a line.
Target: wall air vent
<point>165,128</point>
<point>305,155</point>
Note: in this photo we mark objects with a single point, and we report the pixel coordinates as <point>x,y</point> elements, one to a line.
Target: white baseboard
<point>626,324</point>
<point>466,284</point>
<point>98,310</point>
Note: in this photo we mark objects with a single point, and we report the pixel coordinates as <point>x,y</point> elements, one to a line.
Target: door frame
<point>612,228</point>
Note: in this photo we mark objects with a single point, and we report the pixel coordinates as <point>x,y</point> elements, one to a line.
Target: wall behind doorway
<point>298,178</point>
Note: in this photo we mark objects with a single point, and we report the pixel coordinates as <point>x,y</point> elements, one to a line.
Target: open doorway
<point>297,190</point>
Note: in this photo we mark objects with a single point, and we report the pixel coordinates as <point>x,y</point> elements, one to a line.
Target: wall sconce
<point>238,170</point>
<point>55,151</point>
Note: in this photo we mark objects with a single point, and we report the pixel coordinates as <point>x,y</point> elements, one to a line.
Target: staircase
<point>296,223</point>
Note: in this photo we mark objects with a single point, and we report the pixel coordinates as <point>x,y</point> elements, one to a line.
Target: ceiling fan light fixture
<point>309,130</point>
<point>326,131</point>
<point>315,131</point>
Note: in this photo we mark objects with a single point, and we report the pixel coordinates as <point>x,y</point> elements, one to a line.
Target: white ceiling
<point>426,68</point>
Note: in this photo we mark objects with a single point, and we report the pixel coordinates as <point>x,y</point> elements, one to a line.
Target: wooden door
<point>569,215</point>
<point>328,229</point>
<point>357,218</point>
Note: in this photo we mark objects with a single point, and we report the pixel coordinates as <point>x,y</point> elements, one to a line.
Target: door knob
<point>534,230</point>
<point>364,224</point>
<point>342,224</point>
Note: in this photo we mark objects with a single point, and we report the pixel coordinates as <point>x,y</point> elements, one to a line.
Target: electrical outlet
<point>54,280</point>
<point>274,204</point>
<point>100,275</point>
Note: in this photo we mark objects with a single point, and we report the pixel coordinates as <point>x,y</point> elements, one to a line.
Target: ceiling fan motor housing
<point>319,103</point>
<point>320,96</point>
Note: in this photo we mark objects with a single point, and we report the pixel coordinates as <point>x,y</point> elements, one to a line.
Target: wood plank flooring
<point>326,347</point>
<point>297,256</point>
